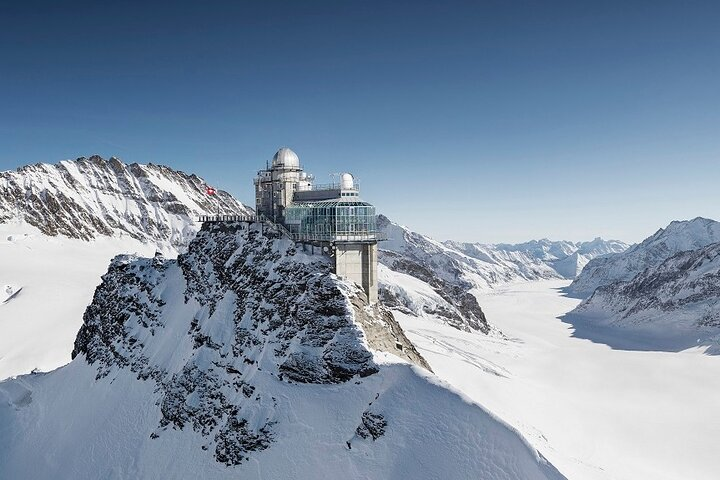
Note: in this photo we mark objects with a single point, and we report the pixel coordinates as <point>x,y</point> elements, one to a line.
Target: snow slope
<point>436,268</point>
<point>56,277</point>
<point>677,237</point>
<point>246,358</point>
<point>596,413</point>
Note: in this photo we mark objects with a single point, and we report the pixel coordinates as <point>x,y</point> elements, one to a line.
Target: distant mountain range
<point>541,258</point>
<point>423,276</point>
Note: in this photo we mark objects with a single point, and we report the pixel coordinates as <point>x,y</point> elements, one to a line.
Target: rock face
<point>682,292</point>
<point>245,358</point>
<point>677,237</point>
<point>91,197</point>
<point>421,276</point>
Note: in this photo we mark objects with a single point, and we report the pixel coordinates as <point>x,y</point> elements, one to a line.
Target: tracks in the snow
<point>449,348</point>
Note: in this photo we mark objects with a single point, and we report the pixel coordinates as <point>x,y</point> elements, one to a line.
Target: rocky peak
<point>246,358</point>
<point>243,308</point>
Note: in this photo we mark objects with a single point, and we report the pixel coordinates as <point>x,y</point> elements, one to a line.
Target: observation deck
<point>318,235</point>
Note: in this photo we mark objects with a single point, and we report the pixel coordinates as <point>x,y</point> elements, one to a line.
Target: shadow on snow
<point>638,338</point>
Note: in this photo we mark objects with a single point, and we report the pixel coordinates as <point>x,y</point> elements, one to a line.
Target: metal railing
<point>284,230</point>
<point>339,237</point>
<point>325,186</point>
<point>299,237</point>
<point>230,218</point>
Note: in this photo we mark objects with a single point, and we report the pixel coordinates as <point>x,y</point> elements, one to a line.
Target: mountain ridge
<point>683,291</point>
<point>677,237</point>
<point>91,197</point>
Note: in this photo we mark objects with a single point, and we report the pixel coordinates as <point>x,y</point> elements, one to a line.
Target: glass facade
<point>332,220</point>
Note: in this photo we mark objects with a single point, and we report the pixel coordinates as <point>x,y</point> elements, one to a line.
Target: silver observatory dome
<point>286,158</point>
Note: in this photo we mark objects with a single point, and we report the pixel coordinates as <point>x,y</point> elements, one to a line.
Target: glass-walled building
<point>332,220</point>
<point>331,216</point>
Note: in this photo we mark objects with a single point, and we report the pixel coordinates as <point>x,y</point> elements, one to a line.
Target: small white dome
<point>286,158</point>
<point>347,182</point>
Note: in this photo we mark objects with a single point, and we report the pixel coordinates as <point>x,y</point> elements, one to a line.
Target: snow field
<point>594,412</point>
<point>58,277</point>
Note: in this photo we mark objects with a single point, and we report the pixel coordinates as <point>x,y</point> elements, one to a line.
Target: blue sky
<point>496,121</point>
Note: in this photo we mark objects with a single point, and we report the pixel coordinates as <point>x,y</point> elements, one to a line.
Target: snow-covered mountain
<point>92,197</point>
<point>542,258</point>
<point>677,237</point>
<point>421,276</point>
<point>246,358</point>
<point>682,293</point>
<point>59,227</point>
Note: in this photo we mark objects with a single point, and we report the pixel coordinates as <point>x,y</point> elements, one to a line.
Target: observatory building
<point>331,217</point>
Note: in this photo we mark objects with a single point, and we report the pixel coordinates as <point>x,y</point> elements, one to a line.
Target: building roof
<point>335,202</point>
<point>286,158</point>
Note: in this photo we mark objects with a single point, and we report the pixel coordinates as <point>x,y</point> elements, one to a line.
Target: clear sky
<point>491,121</point>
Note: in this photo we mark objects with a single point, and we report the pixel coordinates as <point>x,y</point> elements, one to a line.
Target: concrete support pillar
<point>357,262</point>
<point>370,282</point>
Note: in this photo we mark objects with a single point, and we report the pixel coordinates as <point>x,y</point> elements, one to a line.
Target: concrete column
<point>357,262</point>
<point>372,270</point>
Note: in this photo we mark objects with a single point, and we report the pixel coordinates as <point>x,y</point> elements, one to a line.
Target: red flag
<point>209,190</point>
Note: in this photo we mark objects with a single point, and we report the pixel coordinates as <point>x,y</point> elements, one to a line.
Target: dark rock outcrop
<point>372,426</point>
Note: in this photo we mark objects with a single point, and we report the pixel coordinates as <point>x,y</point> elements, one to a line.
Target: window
<point>329,220</point>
